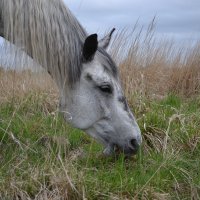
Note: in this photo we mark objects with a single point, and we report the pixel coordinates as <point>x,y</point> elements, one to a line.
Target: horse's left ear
<point>90,47</point>
<point>104,43</point>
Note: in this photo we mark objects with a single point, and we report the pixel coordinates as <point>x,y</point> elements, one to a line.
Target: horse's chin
<point>109,150</point>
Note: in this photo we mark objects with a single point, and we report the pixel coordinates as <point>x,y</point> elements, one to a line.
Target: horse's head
<point>97,103</point>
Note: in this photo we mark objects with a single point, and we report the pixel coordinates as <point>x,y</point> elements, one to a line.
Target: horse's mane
<point>48,32</point>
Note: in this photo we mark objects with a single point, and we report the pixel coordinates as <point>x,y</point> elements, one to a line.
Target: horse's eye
<point>106,88</point>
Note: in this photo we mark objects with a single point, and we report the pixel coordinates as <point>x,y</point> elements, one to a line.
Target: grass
<point>41,157</point>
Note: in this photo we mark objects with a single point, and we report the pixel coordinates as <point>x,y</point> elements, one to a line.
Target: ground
<point>41,157</point>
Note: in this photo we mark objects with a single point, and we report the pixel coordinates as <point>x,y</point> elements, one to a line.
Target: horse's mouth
<point>112,149</point>
<point>115,149</point>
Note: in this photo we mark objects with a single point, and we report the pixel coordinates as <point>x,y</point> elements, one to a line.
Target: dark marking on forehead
<point>89,77</point>
<point>107,62</point>
<point>122,99</point>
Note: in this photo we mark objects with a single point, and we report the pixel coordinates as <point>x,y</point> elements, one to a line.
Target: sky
<point>179,19</point>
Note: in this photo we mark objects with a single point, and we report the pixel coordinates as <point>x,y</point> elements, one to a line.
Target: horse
<point>91,97</point>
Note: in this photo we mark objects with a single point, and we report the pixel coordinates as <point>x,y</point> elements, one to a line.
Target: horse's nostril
<point>134,144</point>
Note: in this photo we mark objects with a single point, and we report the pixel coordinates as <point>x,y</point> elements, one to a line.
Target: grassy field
<point>41,157</point>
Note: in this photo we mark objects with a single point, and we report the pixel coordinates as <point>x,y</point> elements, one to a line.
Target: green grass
<point>43,157</point>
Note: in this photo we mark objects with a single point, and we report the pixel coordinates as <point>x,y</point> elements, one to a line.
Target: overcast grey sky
<point>177,18</point>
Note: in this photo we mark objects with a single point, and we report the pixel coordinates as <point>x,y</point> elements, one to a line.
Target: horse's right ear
<point>90,47</point>
<point>104,43</point>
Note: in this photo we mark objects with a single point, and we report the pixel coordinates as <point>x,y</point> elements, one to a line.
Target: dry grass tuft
<point>154,139</point>
<point>19,84</point>
<point>155,67</point>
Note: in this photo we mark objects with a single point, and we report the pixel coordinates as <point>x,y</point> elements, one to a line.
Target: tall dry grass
<point>149,67</point>
<point>154,67</point>
<point>19,84</point>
